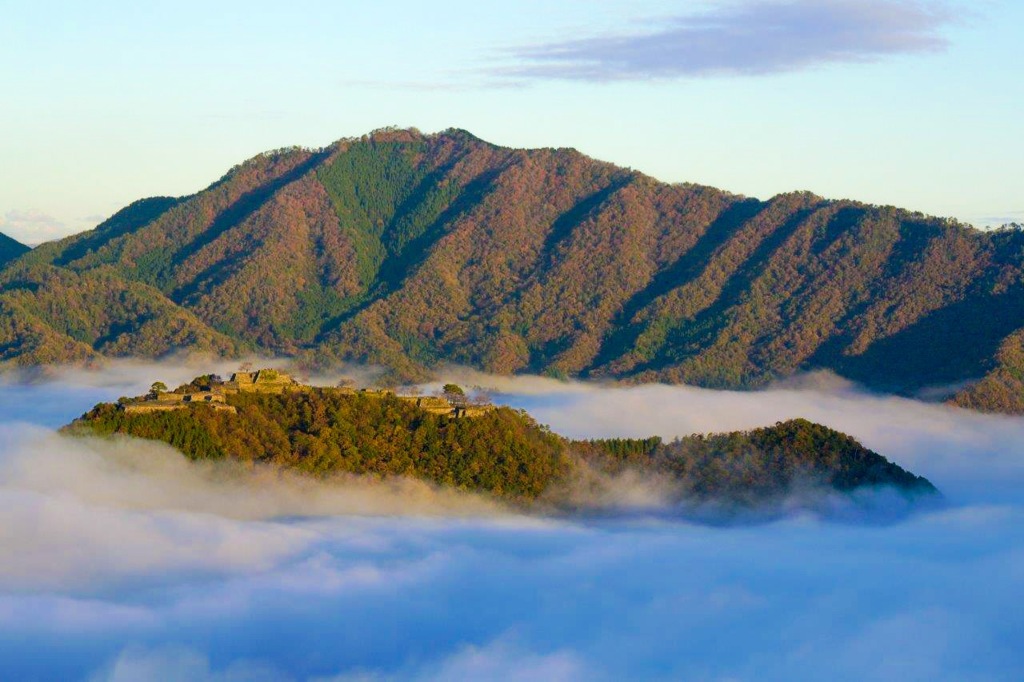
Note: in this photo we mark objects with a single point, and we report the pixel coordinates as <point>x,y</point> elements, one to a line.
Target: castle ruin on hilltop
<point>261,381</point>
<point>277,382</point>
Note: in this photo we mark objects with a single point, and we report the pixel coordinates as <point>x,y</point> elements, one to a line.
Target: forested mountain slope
<point>411,250</point>
<point>10,249</point>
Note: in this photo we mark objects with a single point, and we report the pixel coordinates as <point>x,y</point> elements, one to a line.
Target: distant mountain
<point>410,251</point>
<point>500,451</point>
<point>10,249</point>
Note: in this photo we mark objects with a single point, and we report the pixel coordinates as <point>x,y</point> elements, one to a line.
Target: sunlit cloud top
<point>747,38</point>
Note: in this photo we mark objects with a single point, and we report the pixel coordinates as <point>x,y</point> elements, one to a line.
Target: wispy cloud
<point>749,38</point>
<point>457,82</point>
<point>32,227</point>
<point>94,219</point>
<point>1001,219</point>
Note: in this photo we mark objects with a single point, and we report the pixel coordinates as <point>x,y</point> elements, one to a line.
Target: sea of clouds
<point>121,561</point>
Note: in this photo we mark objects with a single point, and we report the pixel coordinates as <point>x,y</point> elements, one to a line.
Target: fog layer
<point>120,561</point>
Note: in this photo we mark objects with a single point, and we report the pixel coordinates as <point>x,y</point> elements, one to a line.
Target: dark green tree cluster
<point>758,464</point>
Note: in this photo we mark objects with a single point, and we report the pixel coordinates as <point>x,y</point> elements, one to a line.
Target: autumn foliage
<point>410,251</point>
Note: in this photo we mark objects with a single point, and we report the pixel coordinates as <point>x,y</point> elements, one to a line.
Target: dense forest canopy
<point>410,251</point>
<point>503,452</point>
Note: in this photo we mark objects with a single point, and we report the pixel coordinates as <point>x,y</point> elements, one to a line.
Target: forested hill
<point>10,249</point>
<point>503,452</point>
<point>411,250</point>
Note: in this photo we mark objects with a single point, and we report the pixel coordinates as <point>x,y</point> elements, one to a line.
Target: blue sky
<point>913,103</point>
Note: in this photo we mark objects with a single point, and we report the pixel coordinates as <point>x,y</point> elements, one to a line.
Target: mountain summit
<point>410,251</point>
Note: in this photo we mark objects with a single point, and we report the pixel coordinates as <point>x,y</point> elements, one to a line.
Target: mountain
<point>495,450</point>
<point>10,249</point>
<point>411,251</point>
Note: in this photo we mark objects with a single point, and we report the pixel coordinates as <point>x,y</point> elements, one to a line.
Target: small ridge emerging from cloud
<point>748,38</point>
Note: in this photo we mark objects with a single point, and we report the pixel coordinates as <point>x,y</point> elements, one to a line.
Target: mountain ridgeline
<point>411,251</point>
<point>492,450</point>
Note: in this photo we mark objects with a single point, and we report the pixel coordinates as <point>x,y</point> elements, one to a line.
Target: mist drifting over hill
<point>205,573</point>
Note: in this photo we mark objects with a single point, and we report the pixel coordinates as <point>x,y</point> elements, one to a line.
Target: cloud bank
<point>31,227</point>
<point>118,561</point>
<point>746,38</point>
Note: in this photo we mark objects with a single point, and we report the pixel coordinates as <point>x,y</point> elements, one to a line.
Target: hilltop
<point>411,251</point>
<point>267,417</point>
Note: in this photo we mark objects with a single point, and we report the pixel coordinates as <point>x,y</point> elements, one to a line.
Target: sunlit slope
<point>411,250</point>
<point>55,315</point>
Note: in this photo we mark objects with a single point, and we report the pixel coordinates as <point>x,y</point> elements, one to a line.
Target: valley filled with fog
<point>119,560</point>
